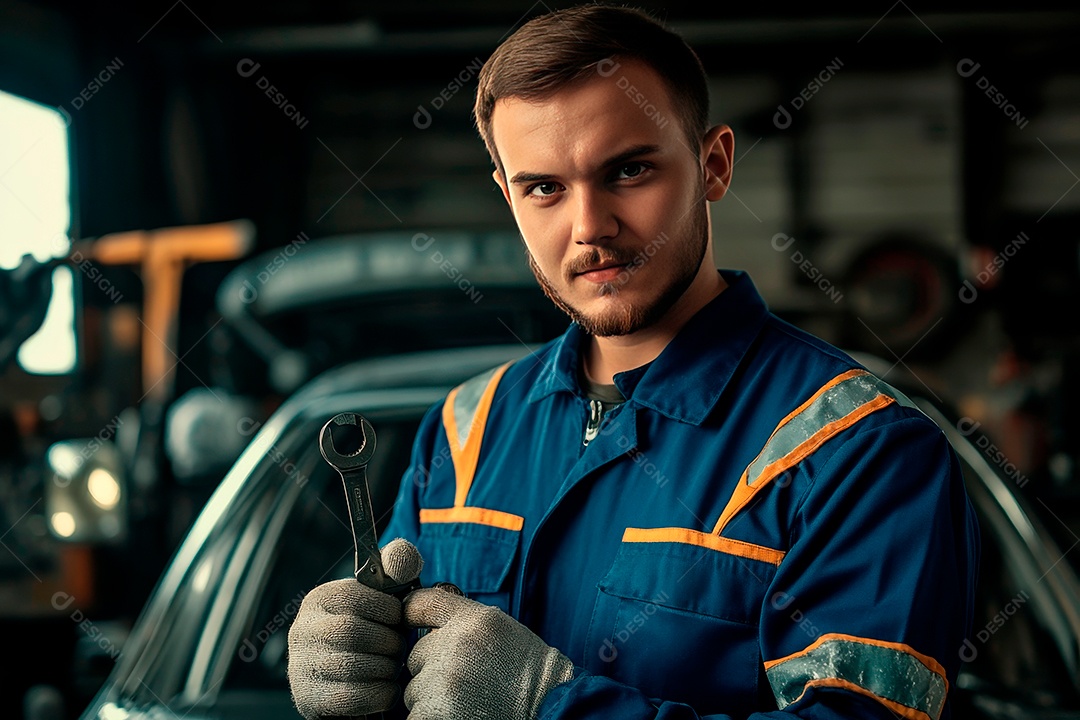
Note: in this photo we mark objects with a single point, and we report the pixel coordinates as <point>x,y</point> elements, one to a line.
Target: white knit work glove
<point>347,642</point>
<point>477,661</point>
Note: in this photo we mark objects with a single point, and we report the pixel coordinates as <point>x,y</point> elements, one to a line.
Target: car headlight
<point>85,493</point>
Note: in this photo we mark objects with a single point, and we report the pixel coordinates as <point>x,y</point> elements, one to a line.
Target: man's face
<point>609,199</point>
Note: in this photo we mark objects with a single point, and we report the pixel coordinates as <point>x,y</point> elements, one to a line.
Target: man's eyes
<point>626,171</point>
<point>544,189</point>
<point>630,170</point>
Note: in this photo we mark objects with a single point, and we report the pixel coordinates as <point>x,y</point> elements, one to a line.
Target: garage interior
<point>205,207</point>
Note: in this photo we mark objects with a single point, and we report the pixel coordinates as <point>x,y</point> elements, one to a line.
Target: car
<point>211,641</point>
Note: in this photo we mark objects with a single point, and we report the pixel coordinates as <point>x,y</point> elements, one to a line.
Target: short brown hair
<point>556,50</point>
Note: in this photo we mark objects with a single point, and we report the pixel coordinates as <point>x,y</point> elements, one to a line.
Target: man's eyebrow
<point>526,177</point>
<point>630,154</point>
<point>624,156</point>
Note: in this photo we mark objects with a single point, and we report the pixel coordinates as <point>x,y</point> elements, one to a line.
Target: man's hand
<point>346,643</point>
<point>477,662</point>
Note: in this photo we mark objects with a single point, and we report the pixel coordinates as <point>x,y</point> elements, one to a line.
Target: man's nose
<point>594,217</point>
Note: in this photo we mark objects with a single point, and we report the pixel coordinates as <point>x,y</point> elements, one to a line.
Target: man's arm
<point>884,560</point>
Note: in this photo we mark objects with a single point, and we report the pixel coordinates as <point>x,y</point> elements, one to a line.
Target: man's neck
<point>607,356</point>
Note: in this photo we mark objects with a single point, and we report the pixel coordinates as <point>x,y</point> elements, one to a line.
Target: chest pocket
<point>684,601</point>
<point>475,557</point>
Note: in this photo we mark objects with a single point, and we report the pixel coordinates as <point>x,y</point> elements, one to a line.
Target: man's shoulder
<point>816,371</point>
<point>781,336</point>
<point>514,374</point>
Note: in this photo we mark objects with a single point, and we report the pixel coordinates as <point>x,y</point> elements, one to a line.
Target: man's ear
<point>501,182</point>
<point>717,151</point>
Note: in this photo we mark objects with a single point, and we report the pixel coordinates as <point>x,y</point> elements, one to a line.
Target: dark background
<point>899,178</point>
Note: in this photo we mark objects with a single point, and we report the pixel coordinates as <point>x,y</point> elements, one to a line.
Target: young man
<point>683,507</point>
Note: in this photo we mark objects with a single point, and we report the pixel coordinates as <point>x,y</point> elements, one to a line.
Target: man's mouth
<point>602,272</point>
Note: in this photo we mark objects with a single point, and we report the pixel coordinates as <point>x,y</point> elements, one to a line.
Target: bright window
<point>35,217</point>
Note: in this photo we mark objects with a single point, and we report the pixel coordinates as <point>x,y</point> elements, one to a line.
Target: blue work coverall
<point>761,527</point>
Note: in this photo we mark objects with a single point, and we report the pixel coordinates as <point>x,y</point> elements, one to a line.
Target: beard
<point>628,317</point>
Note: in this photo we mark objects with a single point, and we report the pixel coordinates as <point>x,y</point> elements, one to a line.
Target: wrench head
<point>351,461</point>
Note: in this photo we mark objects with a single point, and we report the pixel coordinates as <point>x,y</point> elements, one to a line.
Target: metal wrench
<point>368,565</point>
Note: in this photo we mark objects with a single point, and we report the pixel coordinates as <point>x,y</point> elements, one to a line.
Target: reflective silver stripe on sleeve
<point>467,400</point>
<point>885,672</point>
<point>834,404</point>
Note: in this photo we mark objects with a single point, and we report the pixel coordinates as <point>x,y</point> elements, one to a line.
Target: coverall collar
<point>704,354</point>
